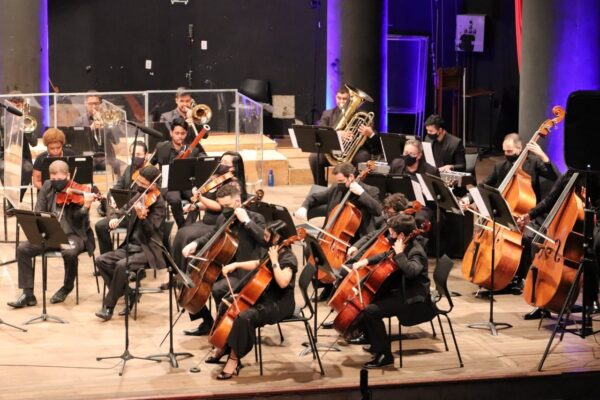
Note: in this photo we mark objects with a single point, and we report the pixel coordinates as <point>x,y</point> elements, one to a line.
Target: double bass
<point>517,189</point>
<point>555,264</point>
<point>247,296</point>
<point>342,223</point>
<point>219,251</point>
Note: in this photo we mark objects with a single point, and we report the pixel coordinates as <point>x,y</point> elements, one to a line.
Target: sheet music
<point>425,188</point>
<point>165,176</point>
<point>293,138</point>
<point>428,152</point>
<point>418,192</point>
<point>479,202</point>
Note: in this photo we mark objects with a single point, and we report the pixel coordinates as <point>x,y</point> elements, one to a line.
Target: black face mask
<point>342,187</point>
<point>512,159</point>
<point>409,160</point>
<point>432,136</point>
<point>141,189</point>
<point>222,169</point>
<point>228,212</point>
<point>138,162</point>
<point>59,184</point>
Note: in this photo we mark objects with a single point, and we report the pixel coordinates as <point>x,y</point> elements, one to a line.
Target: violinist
<point>54,140</point>
<point>275,304</point>
<point>364,197</point>
<point>123,183</point>
<point>401,293</point>
<point>146,228</point>
<point>75,222</point>
<point>164,154</point>
<point>248,228</point>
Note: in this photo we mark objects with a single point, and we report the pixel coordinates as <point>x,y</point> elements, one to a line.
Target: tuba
<point>29,123</point>
<point>352,121</point>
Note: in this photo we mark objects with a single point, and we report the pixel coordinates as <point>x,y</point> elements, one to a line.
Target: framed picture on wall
<point>470,29</point>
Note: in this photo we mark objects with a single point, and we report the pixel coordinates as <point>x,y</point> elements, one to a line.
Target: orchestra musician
<point>363,196</point>
<point>146,228</point>
<point>331,118</point>
<point>402,293</point>
<point>275,304</point>
<point>183,106</point>
<point>124,182</point>
<point>54,140</point>
<point>248,227</point>
<point>448,150</point>
<point>75,222</point>
<point>164,154</point>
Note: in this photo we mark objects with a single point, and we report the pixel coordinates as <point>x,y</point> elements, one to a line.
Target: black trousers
<point>26,251</point>
<point>174,200</point>
<point>103,234</point>
<point>111,267</point>
<point>528,253</point>
<point>319,164</point>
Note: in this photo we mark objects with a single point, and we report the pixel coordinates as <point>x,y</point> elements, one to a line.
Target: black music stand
<point>497,208</point>
<point>402,184</point>
<point>317,139</point>
<point>44,230</point>
<point>84,166</point>
<point>79,138</point>
<point>190,172</point>
<point>392,145</point>
<point>120,196</point>
<point>172,269</point>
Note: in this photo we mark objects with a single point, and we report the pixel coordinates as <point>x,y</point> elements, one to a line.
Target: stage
<point>56,361</point>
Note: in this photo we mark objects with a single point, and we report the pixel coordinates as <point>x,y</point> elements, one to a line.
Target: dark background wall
<point>274,40</point>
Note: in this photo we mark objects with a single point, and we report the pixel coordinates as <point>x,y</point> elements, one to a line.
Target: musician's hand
<point>351,251</point>
<point>301,213</point>
<point>189,249</point>
<point>273,255</point>
<point>189,207</point>
<point>537,150</point>
<point>356,188</point>
<point>96,125</point>
<point>113,223</point>
<point>523,220</point>
<point>88,198</point>
<point>464,203</point>
<point>399,246</point>
<point>360,264</point>
<point>141,211</point>
<point>445,168</point>
<point>346,135</point>
<point>366,131</point>
<point>229,268</point>
<point>242,215</point>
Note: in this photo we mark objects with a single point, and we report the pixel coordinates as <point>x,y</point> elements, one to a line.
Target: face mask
<point>141,189</point>
<point>227,212</point>
<point>59,184</point>
<point>432,136</point>
<point>342,187</point>
<point>409,160</point>
<point>511,159</point>
<point>138,162</point>
<point>222,169</point>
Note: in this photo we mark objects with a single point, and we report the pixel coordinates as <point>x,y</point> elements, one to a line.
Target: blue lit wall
<point>334,50</point>
<point>44,59</point>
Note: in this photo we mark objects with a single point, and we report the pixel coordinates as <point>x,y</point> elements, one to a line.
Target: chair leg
<point>260,359</point>
<point>433,333</point>
<point>256,345</point>
<point>96,273</point>
<point>454,339</point>
<point>442,330</point>
<point>280,334</point>
<point>77,285</point>
<point>400,342</point>
<point>315,350</point>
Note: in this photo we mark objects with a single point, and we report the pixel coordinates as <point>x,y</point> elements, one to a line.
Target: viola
<point>342,223</point>
<point>517,189</point>
<point>248,295</point>
<point>218,252</point>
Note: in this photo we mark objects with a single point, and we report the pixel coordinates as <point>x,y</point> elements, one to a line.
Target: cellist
<point>402,292</point>
<point>248,227</point>
<point>275,304</point>
<point>364,197</point>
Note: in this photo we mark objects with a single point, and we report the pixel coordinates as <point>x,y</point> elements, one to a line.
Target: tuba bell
<point>352,120</point>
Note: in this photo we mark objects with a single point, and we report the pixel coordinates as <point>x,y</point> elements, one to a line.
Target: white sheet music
<point>425,188</point>
<point>474,191</point>
<point>418,192</point>
<point>165,176</point>
<point>428,152</point>
<point>293,138</point>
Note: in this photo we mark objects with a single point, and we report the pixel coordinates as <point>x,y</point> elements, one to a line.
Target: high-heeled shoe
<point>224,375</point>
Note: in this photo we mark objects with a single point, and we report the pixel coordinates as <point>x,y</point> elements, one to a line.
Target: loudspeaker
<point>582,139</point>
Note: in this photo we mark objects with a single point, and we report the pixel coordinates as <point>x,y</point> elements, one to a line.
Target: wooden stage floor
<point>57,361</point>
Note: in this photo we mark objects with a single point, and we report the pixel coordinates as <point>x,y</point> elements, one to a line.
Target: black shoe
<point>133,275</point>
<point>105,313</point>
<point>24,300</point>
<point>164,286</point>
<point>380,360</point>
<point>201,330</point>
<point>368,348</point>
<point>358,340</point>
<point>536,313</point>
<point>325,293</point>
<point>214,359</point>
<point>133,298</point>
<point>60,295</point>
<point>327,325</point>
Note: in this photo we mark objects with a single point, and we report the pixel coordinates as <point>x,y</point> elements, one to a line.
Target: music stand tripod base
<point>494,327</point>
<point>126,356</point>
<point>45,317</point>
<point>11,325</point>
<point>331,347</point>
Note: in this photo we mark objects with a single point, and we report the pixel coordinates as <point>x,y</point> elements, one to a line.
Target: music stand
<point>378,180</point>
<point>392,145</point>
<point>190,172</point>
<point>317,139</point>
<point>79,139</point>
<point>494,205</point>
<point>84,166</point>
<point>44,230</point>
<point>407,185</point>
<point>120,196</point>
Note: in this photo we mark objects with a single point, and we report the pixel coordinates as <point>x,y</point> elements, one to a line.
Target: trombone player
<point>331,118</point>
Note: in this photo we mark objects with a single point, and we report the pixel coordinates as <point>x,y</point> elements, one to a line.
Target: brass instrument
<point>107,115</point>
<point>200,113</point>
<point>352,121</point>
<point>29,123</point>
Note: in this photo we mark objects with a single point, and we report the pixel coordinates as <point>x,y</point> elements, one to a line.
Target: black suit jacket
<point>331,118</point>
<point>450,151</point>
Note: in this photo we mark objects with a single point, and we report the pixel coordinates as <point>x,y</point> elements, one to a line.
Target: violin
<point>348,320</point>
<point>247,296</point>
<point>147,198</point>
<point>517,189</point>
<point>211,184</point>
<point>74,193</point>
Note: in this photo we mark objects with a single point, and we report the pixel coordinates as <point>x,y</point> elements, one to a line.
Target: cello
<point>554,267</point>
<point>247,296</point>
<point>342,223</point>
<point>349,317</point>
<point>219,251</point>
<point>517,189</point>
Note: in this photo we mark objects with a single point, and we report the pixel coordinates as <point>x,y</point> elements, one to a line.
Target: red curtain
<point>518,27</point>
